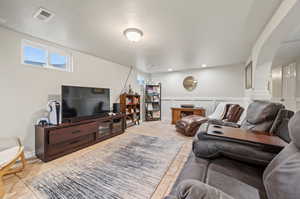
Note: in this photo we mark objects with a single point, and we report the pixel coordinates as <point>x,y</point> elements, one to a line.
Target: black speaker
<point>116,108</point>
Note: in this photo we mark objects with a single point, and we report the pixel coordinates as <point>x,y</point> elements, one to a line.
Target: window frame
<point>48,50</point>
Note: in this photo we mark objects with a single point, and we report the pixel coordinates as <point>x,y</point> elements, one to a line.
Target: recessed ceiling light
<point>204,65</point>
<point>170,69</point>
<point>133,34</point>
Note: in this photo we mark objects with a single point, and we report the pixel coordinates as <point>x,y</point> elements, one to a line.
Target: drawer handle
<point>74,132</point>
<point>74,142</point>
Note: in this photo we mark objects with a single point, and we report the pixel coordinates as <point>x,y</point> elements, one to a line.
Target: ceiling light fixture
<point>133,34</point>
<point>204,65</point>
<point>170,69</point>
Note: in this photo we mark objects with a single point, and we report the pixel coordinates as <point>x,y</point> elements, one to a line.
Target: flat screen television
<point>79,103</point>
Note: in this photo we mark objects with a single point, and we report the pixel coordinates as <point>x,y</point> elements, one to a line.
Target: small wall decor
<point>190,83</point>
<point>248,76</point>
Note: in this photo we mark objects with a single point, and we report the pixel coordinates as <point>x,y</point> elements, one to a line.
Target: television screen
<point>84,102</point>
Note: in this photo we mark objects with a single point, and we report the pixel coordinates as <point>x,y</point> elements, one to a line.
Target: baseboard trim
<point>210,99</point>
<point>29,155</point>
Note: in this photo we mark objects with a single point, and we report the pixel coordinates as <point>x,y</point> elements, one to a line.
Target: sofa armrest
<point>212,147</point>
<point>194,189</point>
<point>223,123</point>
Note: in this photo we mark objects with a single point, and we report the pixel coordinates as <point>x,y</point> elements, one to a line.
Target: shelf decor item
<point>153,102</point>
<point>130,105</point>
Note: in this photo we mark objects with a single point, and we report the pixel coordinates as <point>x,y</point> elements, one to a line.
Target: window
<point>35,56</point>
<point>45,56</point>
<point>57,60</point>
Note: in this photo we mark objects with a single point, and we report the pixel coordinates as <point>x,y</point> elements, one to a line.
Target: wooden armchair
<point>9,155</point>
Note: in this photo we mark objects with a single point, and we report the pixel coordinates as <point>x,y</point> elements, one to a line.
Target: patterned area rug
<point>131,167</point>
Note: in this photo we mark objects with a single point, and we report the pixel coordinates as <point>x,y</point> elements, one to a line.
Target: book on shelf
<point>155,98</point>
<point>149,107</point>
<point>151,99</point>
<point>130,105</point>
<point>128,101</point>
<point>156,114</point>
<point>153,89</point>
<point>156,107</point>
<point>135,100</point>
<point>153,102</point>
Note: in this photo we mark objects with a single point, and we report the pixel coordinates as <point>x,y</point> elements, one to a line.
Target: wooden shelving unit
<point>131,106</point>
<point>153,102</point>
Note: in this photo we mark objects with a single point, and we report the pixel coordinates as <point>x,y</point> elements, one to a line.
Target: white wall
<point>276,68</point>
<point>25,89</point>
<point>298,85</point>
<point>214,85</point>
<point>269,41</point>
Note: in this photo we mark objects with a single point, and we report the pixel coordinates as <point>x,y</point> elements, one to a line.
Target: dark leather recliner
<point>189,125</point>
<point>227,179</point>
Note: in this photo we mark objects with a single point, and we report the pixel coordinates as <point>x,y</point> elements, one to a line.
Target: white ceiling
<point>289,49</point>
<point>178,34</point>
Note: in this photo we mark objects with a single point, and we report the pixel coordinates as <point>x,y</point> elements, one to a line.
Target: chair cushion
<point>236,179</point>
<point>7,155</point>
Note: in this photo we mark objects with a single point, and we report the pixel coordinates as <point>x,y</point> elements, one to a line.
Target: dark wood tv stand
<point>52,142</point>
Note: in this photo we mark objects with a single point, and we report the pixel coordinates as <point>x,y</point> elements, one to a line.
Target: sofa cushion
<point>261,115</point>
<point>194,189</point>
<point>261,111</point>
<point>212,147</point>
<point>282,176</point>
<point>194,168</point>
<point>294,129</point>
<point>280,126</point>
<point>233,114</point>
<point>236,179</point>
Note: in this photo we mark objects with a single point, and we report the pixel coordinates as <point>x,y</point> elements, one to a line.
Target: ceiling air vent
<point>43,15</point>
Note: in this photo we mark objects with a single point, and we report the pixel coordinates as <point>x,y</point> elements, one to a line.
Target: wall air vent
<point>43,15</point>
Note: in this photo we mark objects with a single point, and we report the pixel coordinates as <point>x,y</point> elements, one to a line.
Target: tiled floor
<point>15,188</point>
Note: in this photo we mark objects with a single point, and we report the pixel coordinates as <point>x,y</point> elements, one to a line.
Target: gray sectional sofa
<point>222,175</point>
